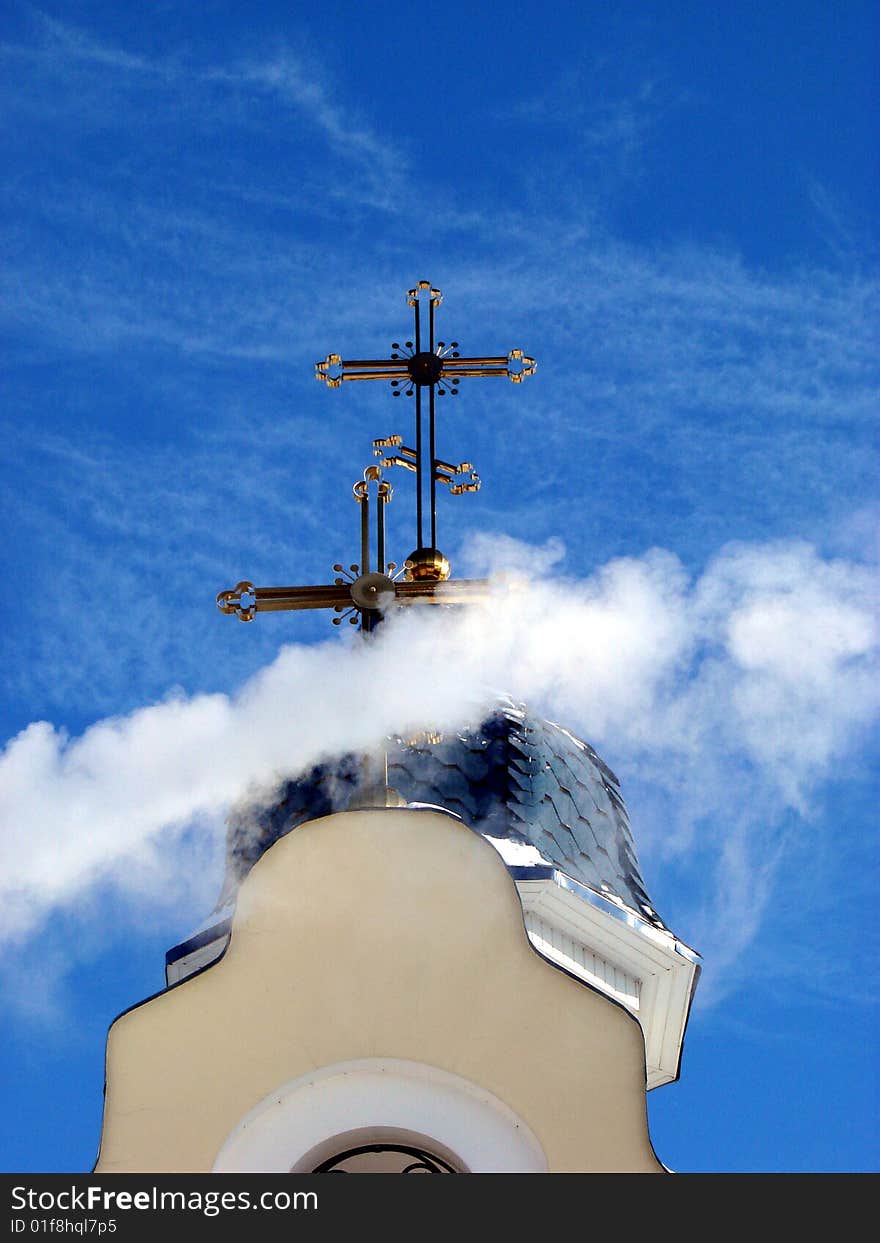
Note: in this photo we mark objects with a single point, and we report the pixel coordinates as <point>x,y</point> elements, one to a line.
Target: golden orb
<point>427,565</point>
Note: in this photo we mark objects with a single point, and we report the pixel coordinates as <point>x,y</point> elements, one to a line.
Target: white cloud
<point>798,635</point>
<point>767,665</point>
<point>502,554</point>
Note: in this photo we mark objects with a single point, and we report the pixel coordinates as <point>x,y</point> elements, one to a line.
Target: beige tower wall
<point>376,934</point>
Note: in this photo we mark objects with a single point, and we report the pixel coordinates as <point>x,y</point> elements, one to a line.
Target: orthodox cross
<point>362,593</point>
<point>439,369</point>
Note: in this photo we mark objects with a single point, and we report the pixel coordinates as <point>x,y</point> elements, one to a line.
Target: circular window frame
<point>327,1111</point>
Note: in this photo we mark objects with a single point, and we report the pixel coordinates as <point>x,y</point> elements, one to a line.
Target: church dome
<point>517,778</point>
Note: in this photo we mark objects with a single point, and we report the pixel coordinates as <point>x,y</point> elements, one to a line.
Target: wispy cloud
<point>611,130</point>
<point>62,42</point>
<point>348,135</point>
<point>102,82</point>
<point>228,278</point>
<point>850,240</point>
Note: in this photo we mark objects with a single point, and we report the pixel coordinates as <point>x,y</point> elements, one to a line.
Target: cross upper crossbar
<point>334,370</point>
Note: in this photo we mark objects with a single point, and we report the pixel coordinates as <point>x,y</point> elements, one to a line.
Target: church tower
<point>439,959</point>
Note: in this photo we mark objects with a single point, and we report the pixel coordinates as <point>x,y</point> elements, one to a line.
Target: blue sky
<point>671,206</point>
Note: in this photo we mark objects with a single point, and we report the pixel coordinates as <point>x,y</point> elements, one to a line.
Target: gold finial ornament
<point>427,565</point>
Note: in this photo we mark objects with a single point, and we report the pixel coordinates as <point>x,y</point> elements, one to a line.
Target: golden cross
<point>424,576</point>
<point>439,368</point>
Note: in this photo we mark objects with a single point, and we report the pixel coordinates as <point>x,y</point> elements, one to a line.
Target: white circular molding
<point>380,1100</point>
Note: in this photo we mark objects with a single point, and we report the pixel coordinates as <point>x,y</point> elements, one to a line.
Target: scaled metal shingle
<point>516,776</point>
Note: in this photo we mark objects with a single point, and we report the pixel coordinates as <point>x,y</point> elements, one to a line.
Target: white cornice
<point>644,968</point>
